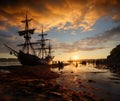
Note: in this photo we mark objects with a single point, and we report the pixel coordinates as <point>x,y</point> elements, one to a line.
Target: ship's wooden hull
<point>28,59</point>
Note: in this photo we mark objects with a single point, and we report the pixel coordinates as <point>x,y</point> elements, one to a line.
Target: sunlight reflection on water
<point>9,63</point>
<point>101,82</point>
<point>92,79</point>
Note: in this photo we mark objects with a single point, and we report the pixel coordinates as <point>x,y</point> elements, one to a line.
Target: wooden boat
<point>24,56</point>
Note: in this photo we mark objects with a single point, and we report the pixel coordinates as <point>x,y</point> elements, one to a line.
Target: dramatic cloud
<point>57,13</point>
<point>60,14</point>
<point>91,43</point>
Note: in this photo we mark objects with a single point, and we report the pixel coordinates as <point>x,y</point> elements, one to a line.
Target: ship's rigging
<point>27,36</point>
<point>31,58</point>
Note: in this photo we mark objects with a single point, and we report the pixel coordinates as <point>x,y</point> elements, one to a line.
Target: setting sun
<point>75,57</point>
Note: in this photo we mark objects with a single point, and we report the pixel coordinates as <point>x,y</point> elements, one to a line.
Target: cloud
<point>75,47</point>
<point>52,13</point>
<point>9,37</point>
<point>99,41</point>
<point>61,14</point>
<point>73,33</point>
<point>9,40</point>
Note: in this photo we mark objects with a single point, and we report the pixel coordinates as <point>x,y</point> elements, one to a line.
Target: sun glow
<point>75,57</point>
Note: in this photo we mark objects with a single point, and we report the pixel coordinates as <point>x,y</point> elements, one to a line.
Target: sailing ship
<point>31,58</point>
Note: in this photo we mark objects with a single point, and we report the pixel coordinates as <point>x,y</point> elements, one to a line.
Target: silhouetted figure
<point>83,62</point>
<point>60,65</point>
<point>76,64</point>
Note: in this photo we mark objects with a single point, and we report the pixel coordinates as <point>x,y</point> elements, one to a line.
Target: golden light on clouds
<point>74,16</point>
<point>58,13</point>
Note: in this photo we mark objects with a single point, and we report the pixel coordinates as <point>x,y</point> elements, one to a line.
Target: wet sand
<point>36,83</point>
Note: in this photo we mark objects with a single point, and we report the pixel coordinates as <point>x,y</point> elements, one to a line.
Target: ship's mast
<point>42,50</point>
<point>49,49</point>
<point>27,36</point>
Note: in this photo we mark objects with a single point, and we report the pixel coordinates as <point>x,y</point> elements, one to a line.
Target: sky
<point>78,29</point>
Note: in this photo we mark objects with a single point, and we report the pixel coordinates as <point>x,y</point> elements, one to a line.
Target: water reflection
<point>7,63</point>
<point>92,78</point>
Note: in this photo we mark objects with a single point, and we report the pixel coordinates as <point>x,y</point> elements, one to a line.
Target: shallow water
<point>93,79</point>
<point>9,63</point>
<point>100,82</point>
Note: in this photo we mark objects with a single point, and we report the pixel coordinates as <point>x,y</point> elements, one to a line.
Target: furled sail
<point>30,31</point>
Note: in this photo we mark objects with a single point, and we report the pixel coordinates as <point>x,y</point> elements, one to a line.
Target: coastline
<point>36,83</point>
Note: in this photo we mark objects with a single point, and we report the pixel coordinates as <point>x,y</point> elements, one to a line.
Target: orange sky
<point>78,27</point>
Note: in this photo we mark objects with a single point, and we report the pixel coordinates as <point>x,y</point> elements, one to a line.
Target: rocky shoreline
<point>36,83</point>
<point>113,60</point>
